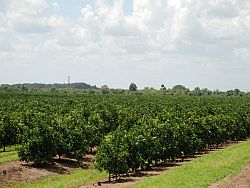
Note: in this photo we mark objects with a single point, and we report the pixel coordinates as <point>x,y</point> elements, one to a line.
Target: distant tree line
<point>177,90</point>
<point>197,91</point>
<point>54,86</point>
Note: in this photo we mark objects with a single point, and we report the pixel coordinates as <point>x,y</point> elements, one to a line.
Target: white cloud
<point>179,36</point>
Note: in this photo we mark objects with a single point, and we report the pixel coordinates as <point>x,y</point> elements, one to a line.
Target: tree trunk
<point>4,148</point>
<point>156,162</point>
<point>109,177</point>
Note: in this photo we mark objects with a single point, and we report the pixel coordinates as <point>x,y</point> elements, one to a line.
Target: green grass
<point>10,148</point>
<point>9,155</point>
<point>203,171</point>
<point>74,179</point>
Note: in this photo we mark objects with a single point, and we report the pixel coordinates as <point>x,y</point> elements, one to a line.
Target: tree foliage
<point>130,132</point>
<point>132,87</point>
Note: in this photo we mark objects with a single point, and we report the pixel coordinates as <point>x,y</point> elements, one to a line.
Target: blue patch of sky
<point>73,8</point>
<point>128,7</point>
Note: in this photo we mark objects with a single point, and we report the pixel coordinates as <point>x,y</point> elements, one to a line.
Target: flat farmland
<point>80,139</point>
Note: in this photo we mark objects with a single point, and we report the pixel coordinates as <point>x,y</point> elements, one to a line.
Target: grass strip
<point>6,154</point>
<point>8,157</point>
<point>203,171</point>
<point>73,179</point>
<point>10,148</point>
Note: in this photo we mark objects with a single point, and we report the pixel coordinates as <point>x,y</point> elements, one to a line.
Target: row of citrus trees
<point>130,131</point>
<point>151,141</point>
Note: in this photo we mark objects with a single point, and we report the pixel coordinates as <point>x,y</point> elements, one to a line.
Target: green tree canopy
<point>132,87</point>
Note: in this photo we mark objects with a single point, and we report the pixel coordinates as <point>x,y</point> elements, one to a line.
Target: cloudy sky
<point>116,42</point>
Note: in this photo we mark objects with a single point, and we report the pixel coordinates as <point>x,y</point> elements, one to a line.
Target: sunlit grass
<point>203,171</point>
<point>74,179</point>
<point>9,155</point>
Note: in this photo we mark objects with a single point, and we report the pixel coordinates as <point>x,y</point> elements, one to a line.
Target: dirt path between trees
<point>20,172</point>
<point>242,180</point>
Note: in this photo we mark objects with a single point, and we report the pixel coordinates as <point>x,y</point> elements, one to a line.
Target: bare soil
<point>242,180</point>
<point>21,172</point>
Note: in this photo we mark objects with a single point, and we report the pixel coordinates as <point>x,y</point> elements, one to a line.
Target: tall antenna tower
<point>68,82</point>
